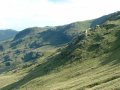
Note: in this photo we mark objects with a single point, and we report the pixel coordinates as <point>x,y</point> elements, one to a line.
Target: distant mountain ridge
<point>39,36</point>
<point>67,31</point>
<point>7,34</point>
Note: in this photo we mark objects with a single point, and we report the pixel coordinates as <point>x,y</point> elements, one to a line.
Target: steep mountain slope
<point>33,41</point>
<point>36,37</point>
<point>90,61</point>
<point>7,34</point>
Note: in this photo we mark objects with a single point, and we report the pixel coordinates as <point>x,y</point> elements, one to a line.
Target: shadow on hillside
<point>54,37</point>
<point>42,69</point>
<point>114,56</point>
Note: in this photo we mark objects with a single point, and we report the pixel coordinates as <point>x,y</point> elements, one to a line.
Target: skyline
<point>21,14</point>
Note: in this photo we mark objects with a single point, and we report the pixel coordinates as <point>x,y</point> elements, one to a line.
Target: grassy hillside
<point>36,37</point>
<point>90,61</point>
<point>36,42</point>
<point>27,43</point>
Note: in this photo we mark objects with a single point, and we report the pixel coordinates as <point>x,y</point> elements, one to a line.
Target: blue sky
<point>21,14</point>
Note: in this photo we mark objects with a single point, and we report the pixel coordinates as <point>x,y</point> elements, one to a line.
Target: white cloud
<point>19,14</point>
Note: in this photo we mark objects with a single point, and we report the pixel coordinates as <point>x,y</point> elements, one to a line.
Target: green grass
<point>90,74</point>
